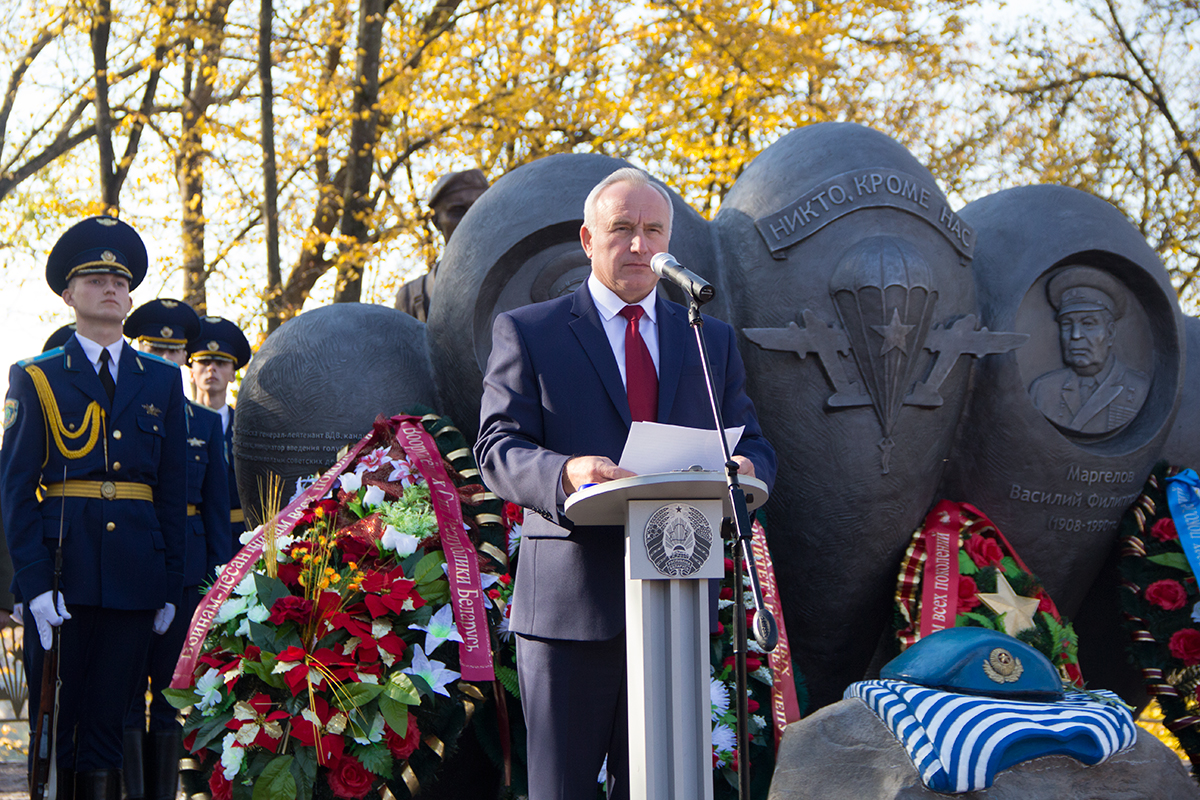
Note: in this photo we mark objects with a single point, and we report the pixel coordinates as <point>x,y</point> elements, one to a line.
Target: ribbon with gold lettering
<point>785,708</point>
<point>242,563</point>
<point>939,591</point>
<point>462,565</point>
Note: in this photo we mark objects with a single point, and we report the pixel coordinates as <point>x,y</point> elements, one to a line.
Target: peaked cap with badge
<point>221,339</point>
<point>169,324</point>
<point>97,246</point>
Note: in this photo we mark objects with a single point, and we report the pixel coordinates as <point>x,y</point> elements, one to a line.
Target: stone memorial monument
<point>317,384</point>
<point>1024,354</point>
<point>850,277</point>
<point>1060,434</point>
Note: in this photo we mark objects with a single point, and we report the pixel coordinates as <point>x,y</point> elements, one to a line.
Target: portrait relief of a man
<point>1095,391</point>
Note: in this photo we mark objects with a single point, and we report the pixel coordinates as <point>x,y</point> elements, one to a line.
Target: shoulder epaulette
<point>192,405</point>
<point>159,359</point>
<point>58,351</point>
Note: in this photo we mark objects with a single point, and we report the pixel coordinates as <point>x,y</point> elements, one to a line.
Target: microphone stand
<point>766,631</point>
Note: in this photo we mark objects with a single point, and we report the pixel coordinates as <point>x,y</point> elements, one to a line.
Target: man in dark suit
<point>565,380</point>
<point>215,355</point>
<point>94,447</point>
<point>163,327</point>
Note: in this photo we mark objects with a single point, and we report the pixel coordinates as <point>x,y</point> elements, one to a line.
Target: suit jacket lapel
<point>129,380</point>
<point>83,374</point>
<point>672,339</point>
<point>589,330</point>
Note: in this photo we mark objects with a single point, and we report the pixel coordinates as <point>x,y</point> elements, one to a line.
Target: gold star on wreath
<point>895,334</point>
<point>1016,611</point>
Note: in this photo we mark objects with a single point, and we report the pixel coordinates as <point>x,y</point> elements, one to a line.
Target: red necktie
<point>641,381</point>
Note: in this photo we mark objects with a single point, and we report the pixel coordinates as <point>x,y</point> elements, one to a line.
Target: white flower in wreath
<point>208,686</point>
<point>244,537</point>
<point>763,675</point>
<point>374,497</point>
<point>232,608</point>
<point>433,673</point>
<point>439,629</point>
<point>232,755</point>
<point>246,586</point>
<point>486,581</point>
<point>351,482</point>
<point>404,544</point>
<point>255,613</point>
<point>374,460</point>
<point>403,473</point>
<point>724,741</point>
<point>303,484</point>
<point>718,696</point>
<point>1196,613</point>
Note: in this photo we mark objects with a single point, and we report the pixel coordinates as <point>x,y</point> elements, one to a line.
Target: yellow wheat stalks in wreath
<point>270,498</point>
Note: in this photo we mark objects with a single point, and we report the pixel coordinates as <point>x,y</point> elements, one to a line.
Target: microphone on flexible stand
<point>699,290</point>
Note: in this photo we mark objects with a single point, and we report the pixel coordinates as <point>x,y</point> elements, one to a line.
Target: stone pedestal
<point>843,752</point>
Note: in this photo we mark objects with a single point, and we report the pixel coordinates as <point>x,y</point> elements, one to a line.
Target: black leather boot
<point>163,773</point>
<point>98,784</point>
<point>133,770</point>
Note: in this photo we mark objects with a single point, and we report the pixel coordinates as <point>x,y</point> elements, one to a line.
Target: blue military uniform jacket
<point>208,539</point>
<point>237,518</point>
<point>126,552</point>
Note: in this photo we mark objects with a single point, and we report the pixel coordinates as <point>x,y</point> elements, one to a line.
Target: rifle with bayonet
<point>43,776</point>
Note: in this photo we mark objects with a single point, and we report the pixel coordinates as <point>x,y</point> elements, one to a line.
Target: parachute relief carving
<point>885,350</point>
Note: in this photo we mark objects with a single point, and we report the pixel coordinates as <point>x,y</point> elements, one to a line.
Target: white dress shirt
<point>92,351</point>
<point>609,306</point>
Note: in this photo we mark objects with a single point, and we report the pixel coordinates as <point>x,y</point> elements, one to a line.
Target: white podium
<point>672,541</point>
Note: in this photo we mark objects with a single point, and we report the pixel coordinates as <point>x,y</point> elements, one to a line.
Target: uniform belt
<point>106,490</point>
<point>236,515</point>
<point>193,510</point>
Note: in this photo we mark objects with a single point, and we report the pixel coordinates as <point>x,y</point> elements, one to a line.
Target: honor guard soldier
<point>216,355</point>
<point>90,477</point>
<point>163,328</point>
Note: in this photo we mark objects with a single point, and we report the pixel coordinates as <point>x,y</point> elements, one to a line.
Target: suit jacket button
<point>116,434</point>
<point>116,465</point>
<point>112,526</point>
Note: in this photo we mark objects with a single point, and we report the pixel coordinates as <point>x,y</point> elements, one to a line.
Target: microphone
<point>695,287</point>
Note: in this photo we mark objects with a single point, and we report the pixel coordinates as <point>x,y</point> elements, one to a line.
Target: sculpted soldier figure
<point>94,450</point>
<point>1096,392</point>
<point>451,196</point>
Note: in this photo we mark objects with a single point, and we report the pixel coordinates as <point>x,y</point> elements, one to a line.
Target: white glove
<point>18,614</point>
<point>46,617</point>
<point>163,617</point>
